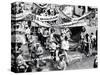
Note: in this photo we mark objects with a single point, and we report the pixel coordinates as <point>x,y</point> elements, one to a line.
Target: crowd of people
<point>38,45</point>
<point>89,43</point>
<point>44,40</point>
<point>44,43</point>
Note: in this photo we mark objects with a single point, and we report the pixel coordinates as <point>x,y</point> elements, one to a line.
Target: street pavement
<point>84,63</point>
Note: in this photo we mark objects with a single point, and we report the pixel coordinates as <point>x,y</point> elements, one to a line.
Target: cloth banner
<point>47,18</point>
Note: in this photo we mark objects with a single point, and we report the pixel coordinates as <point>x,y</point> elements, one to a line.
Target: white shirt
<point>62,65</point>
<point>93,37</point>
<point>65,45</point>
<point>39,50</point>
<point>53,46</point>
<point>27,31</point>
<point>51,38</point>
<point>20,60</point>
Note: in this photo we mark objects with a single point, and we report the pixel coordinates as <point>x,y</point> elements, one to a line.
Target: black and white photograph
<point>53,37</point>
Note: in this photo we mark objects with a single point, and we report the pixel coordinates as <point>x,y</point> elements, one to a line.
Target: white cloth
<point>65,45</point>
<point>62,65</point>
<point>39,50</point>
<point>93,37</point>
<point>53,46</point>
<point>27,31</point>
<point>20,60</point>
<point>51,38</point>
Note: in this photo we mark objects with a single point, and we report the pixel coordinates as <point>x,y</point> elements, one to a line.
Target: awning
<point>72,24</point>
<point>75,23</point>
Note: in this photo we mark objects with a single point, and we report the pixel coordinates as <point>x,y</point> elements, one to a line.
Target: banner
<point>20,16</point>
<point>47,18</point>
<point>72,24</point>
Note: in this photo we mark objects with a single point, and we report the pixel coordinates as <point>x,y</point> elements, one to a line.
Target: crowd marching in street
<point>36,46</point>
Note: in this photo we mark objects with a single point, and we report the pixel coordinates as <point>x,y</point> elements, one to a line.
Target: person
<point>40,35</point>
<point>39,49</point>
<point>32,49</point>
<point>68,33</point>
<point>18,8</point>
<point>93,40</point>
<point>96,39</point>
<point>39,54</point>
<point>63,31</point>
<point>25,51</point>
<point>40,30</point>
<point>27,29</point>
<point>87,44</point>
<point>27,33</point>
<point>57,53</point>
<point>65,44</point>
<point>52,35</point>
<point>95,64</point>
<point>52,12</point>
<point>82,35</point>
<point>21,64</point>
<point>62,37</point>
<point>45,36</point>
<point>83,44</point>
<point>31,38</point>
<point>45,33</point>
<point>62,64</point>
<point>65,47</point>
<point>52,48</point>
